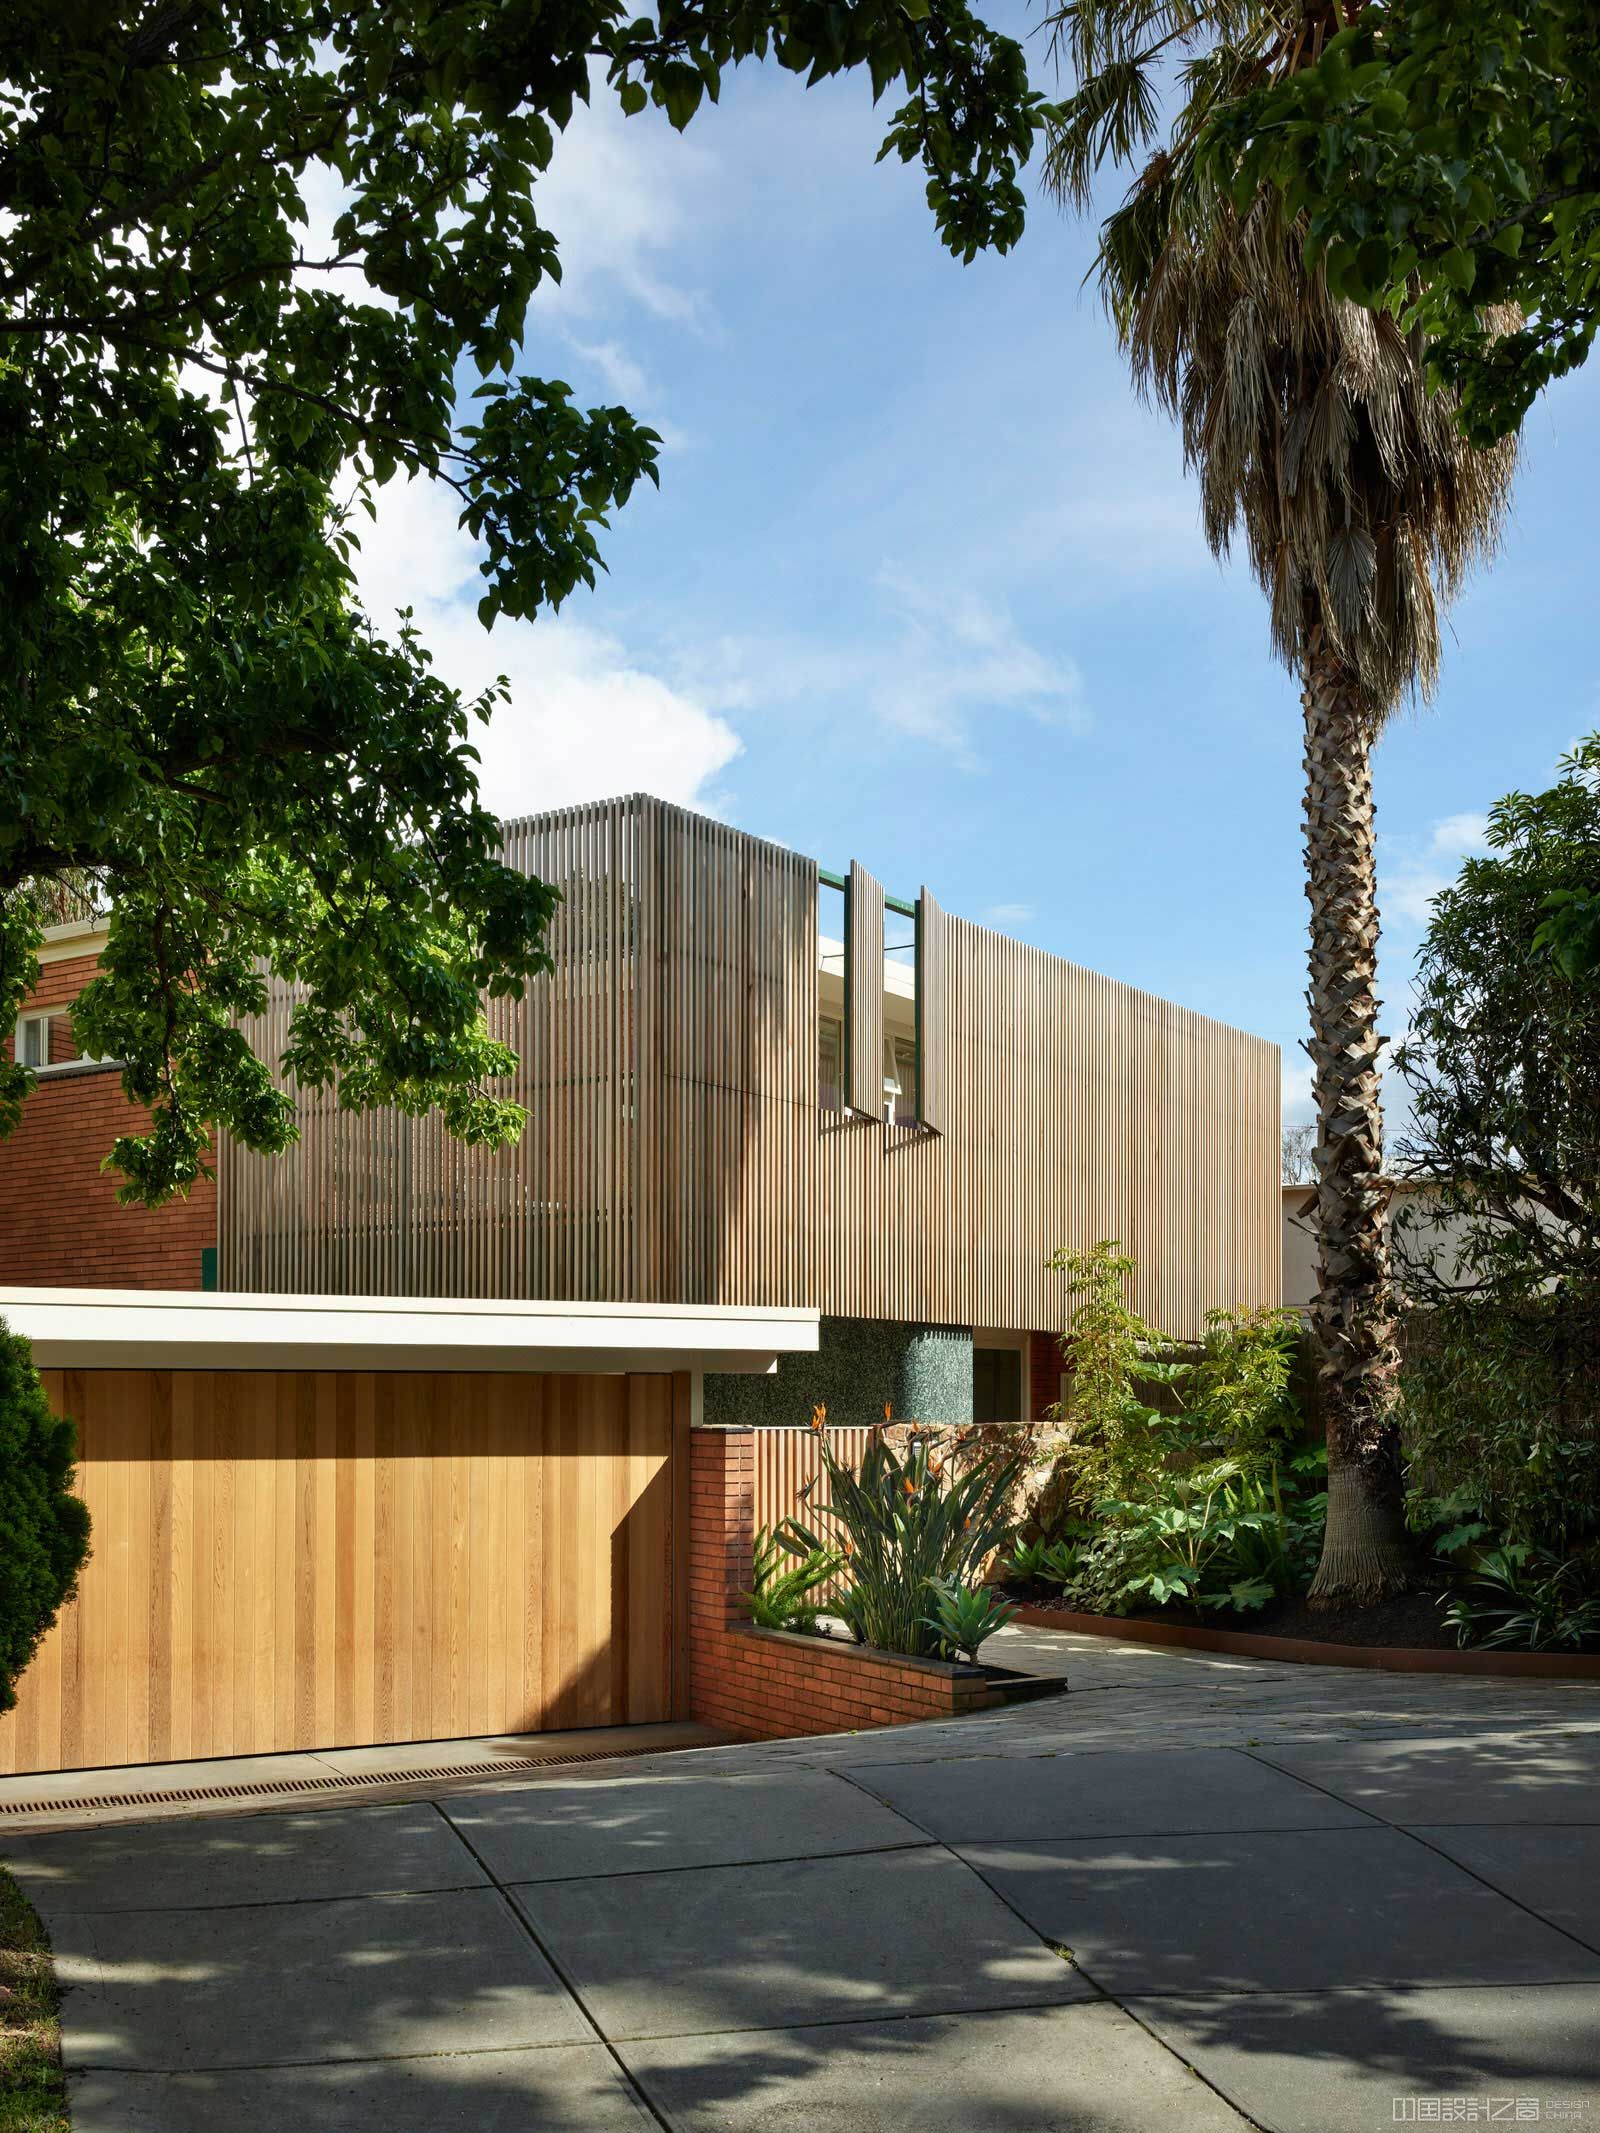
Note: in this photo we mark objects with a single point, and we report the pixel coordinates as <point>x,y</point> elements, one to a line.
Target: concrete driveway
<point>1192,1894</point>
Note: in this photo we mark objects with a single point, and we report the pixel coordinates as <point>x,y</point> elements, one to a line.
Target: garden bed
<point>1280,1639</point>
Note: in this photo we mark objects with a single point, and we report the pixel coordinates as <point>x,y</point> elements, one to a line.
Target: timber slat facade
<point>676,1150</point>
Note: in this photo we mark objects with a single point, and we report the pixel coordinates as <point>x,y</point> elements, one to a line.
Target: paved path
<point>1193,1894</point>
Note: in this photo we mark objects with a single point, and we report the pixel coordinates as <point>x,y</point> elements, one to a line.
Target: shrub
<point>1523,1599</point>
<point>783,1594</point>
<point>908,1526</point>
<point>1178,1475</point>
<point>44,1528</point>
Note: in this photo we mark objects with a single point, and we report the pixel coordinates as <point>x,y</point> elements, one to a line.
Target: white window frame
<point>47,1065</point>
<point>39,1017</point>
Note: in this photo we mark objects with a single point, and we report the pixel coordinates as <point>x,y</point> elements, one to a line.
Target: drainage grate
<point>276,1788</point>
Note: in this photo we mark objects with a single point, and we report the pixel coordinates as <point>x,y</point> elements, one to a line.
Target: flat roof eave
<point>186,1329</point>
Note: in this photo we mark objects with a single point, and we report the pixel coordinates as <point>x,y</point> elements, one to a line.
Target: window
<point>33,1041</point>
<point>1000,1376</point>
<point>996,1385</point>
<point>830,1062</point>
<point>34,1044</point>
<point>899,1079</point>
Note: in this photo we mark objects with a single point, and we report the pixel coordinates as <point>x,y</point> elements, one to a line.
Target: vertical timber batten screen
<point>379,1204</point>
<point>863,993</point>
<point>676,1151</point>
<point>933,1014</point>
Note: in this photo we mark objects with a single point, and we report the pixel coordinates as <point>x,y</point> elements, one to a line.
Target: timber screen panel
<point>677,1152</point>
<point>863,993</point>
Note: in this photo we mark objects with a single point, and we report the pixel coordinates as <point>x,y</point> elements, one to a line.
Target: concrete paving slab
<point>1152,1792</point>
<point>1352,2062</point>
<point>559,1830</point>
<point>1554,1870</point>
<point>774,1946</point>
<point>265,1858</point>
<point>1456,1779</point>
<point>1274,1912</point>
<point>369,1977</point>
<point>1087,2069</point>
<point>563,2089</point>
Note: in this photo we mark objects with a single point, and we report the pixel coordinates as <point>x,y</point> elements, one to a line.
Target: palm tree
<point>1316,440</point>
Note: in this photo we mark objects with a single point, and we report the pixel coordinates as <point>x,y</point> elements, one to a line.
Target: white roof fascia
<point>187,1329</point>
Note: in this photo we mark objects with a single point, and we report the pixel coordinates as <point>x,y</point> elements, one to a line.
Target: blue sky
<point>924,584</point>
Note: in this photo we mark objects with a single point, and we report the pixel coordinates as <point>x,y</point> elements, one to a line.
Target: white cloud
<point>1010,915</point>
<point>622,374</point>
<point>958,656</point>
<point>929,663</point>
<point>586,719</point>
<point>1413,869</point>
<point>621,194</point>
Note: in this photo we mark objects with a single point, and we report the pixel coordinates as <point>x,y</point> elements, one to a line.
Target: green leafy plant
<point>1217,1538</point>
<point>1061,1558</point>
<point>1518,1598</point>
<point>1027,1560</point>
<point>906,1522</point>
<point>1055,1562</point>
<point>965,1616</point>
<point>783,1593</point>
<point>1452,1524</point>
<point>44,1527</point>
<point>1179,1475</point>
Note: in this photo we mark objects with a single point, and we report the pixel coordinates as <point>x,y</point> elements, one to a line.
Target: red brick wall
<point>60,1225</point>
<point>761,1684</point>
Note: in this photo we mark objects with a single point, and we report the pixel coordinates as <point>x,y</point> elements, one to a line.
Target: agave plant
<point>907,1523</point>
<point>965,1616</point>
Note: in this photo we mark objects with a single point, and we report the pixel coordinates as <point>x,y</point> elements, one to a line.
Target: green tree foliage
<point>1500,1254</point>
<point>44,1528</point>
<point>197,406</point>
<point>1447,160</point>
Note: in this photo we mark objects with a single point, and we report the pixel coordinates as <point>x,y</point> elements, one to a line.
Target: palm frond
<point>1310,422</point>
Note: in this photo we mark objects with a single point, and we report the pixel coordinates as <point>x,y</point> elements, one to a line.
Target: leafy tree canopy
<point>195,408</point>
<point>1447,160</point>
<point>1500,1255</point>
<point>1502,1063</point>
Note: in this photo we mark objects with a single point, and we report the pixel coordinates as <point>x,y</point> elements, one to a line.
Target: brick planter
<point>766,1684</point>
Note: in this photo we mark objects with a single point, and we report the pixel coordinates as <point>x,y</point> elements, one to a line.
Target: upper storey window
<point>31,1041</point>
<point>830,1061</point>
<point>44,1042</point>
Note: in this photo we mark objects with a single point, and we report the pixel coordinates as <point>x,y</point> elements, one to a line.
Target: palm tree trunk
<point>1365,1554</point>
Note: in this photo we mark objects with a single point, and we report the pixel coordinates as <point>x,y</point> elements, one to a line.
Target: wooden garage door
<point>298,1559</point>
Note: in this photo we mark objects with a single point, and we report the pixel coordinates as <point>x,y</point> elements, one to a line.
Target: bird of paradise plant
<point>908,1528</point>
